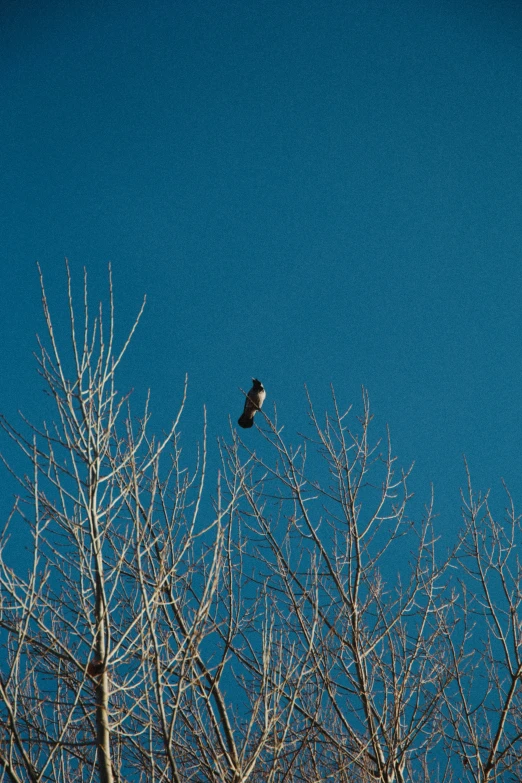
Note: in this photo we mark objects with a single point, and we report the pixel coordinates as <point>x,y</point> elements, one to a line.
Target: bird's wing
<point>250,407</point>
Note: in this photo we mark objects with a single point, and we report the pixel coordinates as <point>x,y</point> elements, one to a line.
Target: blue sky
<point>307,192</point>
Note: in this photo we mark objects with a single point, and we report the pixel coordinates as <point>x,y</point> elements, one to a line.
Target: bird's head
<point>257,384</point>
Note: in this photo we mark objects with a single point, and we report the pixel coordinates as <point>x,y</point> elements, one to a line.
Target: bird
<point>254,400</point>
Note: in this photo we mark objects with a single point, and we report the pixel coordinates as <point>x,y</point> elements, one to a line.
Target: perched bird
<point>254,400</point>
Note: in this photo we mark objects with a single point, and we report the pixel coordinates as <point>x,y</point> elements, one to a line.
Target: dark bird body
<point>254,400</point>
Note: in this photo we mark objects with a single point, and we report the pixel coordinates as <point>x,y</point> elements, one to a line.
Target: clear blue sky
<point>320,192</point>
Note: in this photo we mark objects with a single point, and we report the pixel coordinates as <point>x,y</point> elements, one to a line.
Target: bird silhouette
<point>254,400</point>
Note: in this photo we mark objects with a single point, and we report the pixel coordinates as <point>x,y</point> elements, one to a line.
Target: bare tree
<point>291,622</point>
<point>484,724</point>
<point>357,586</point>
<point>118,639</point>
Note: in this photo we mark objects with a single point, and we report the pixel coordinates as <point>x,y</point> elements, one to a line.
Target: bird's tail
<point>245,421</point>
